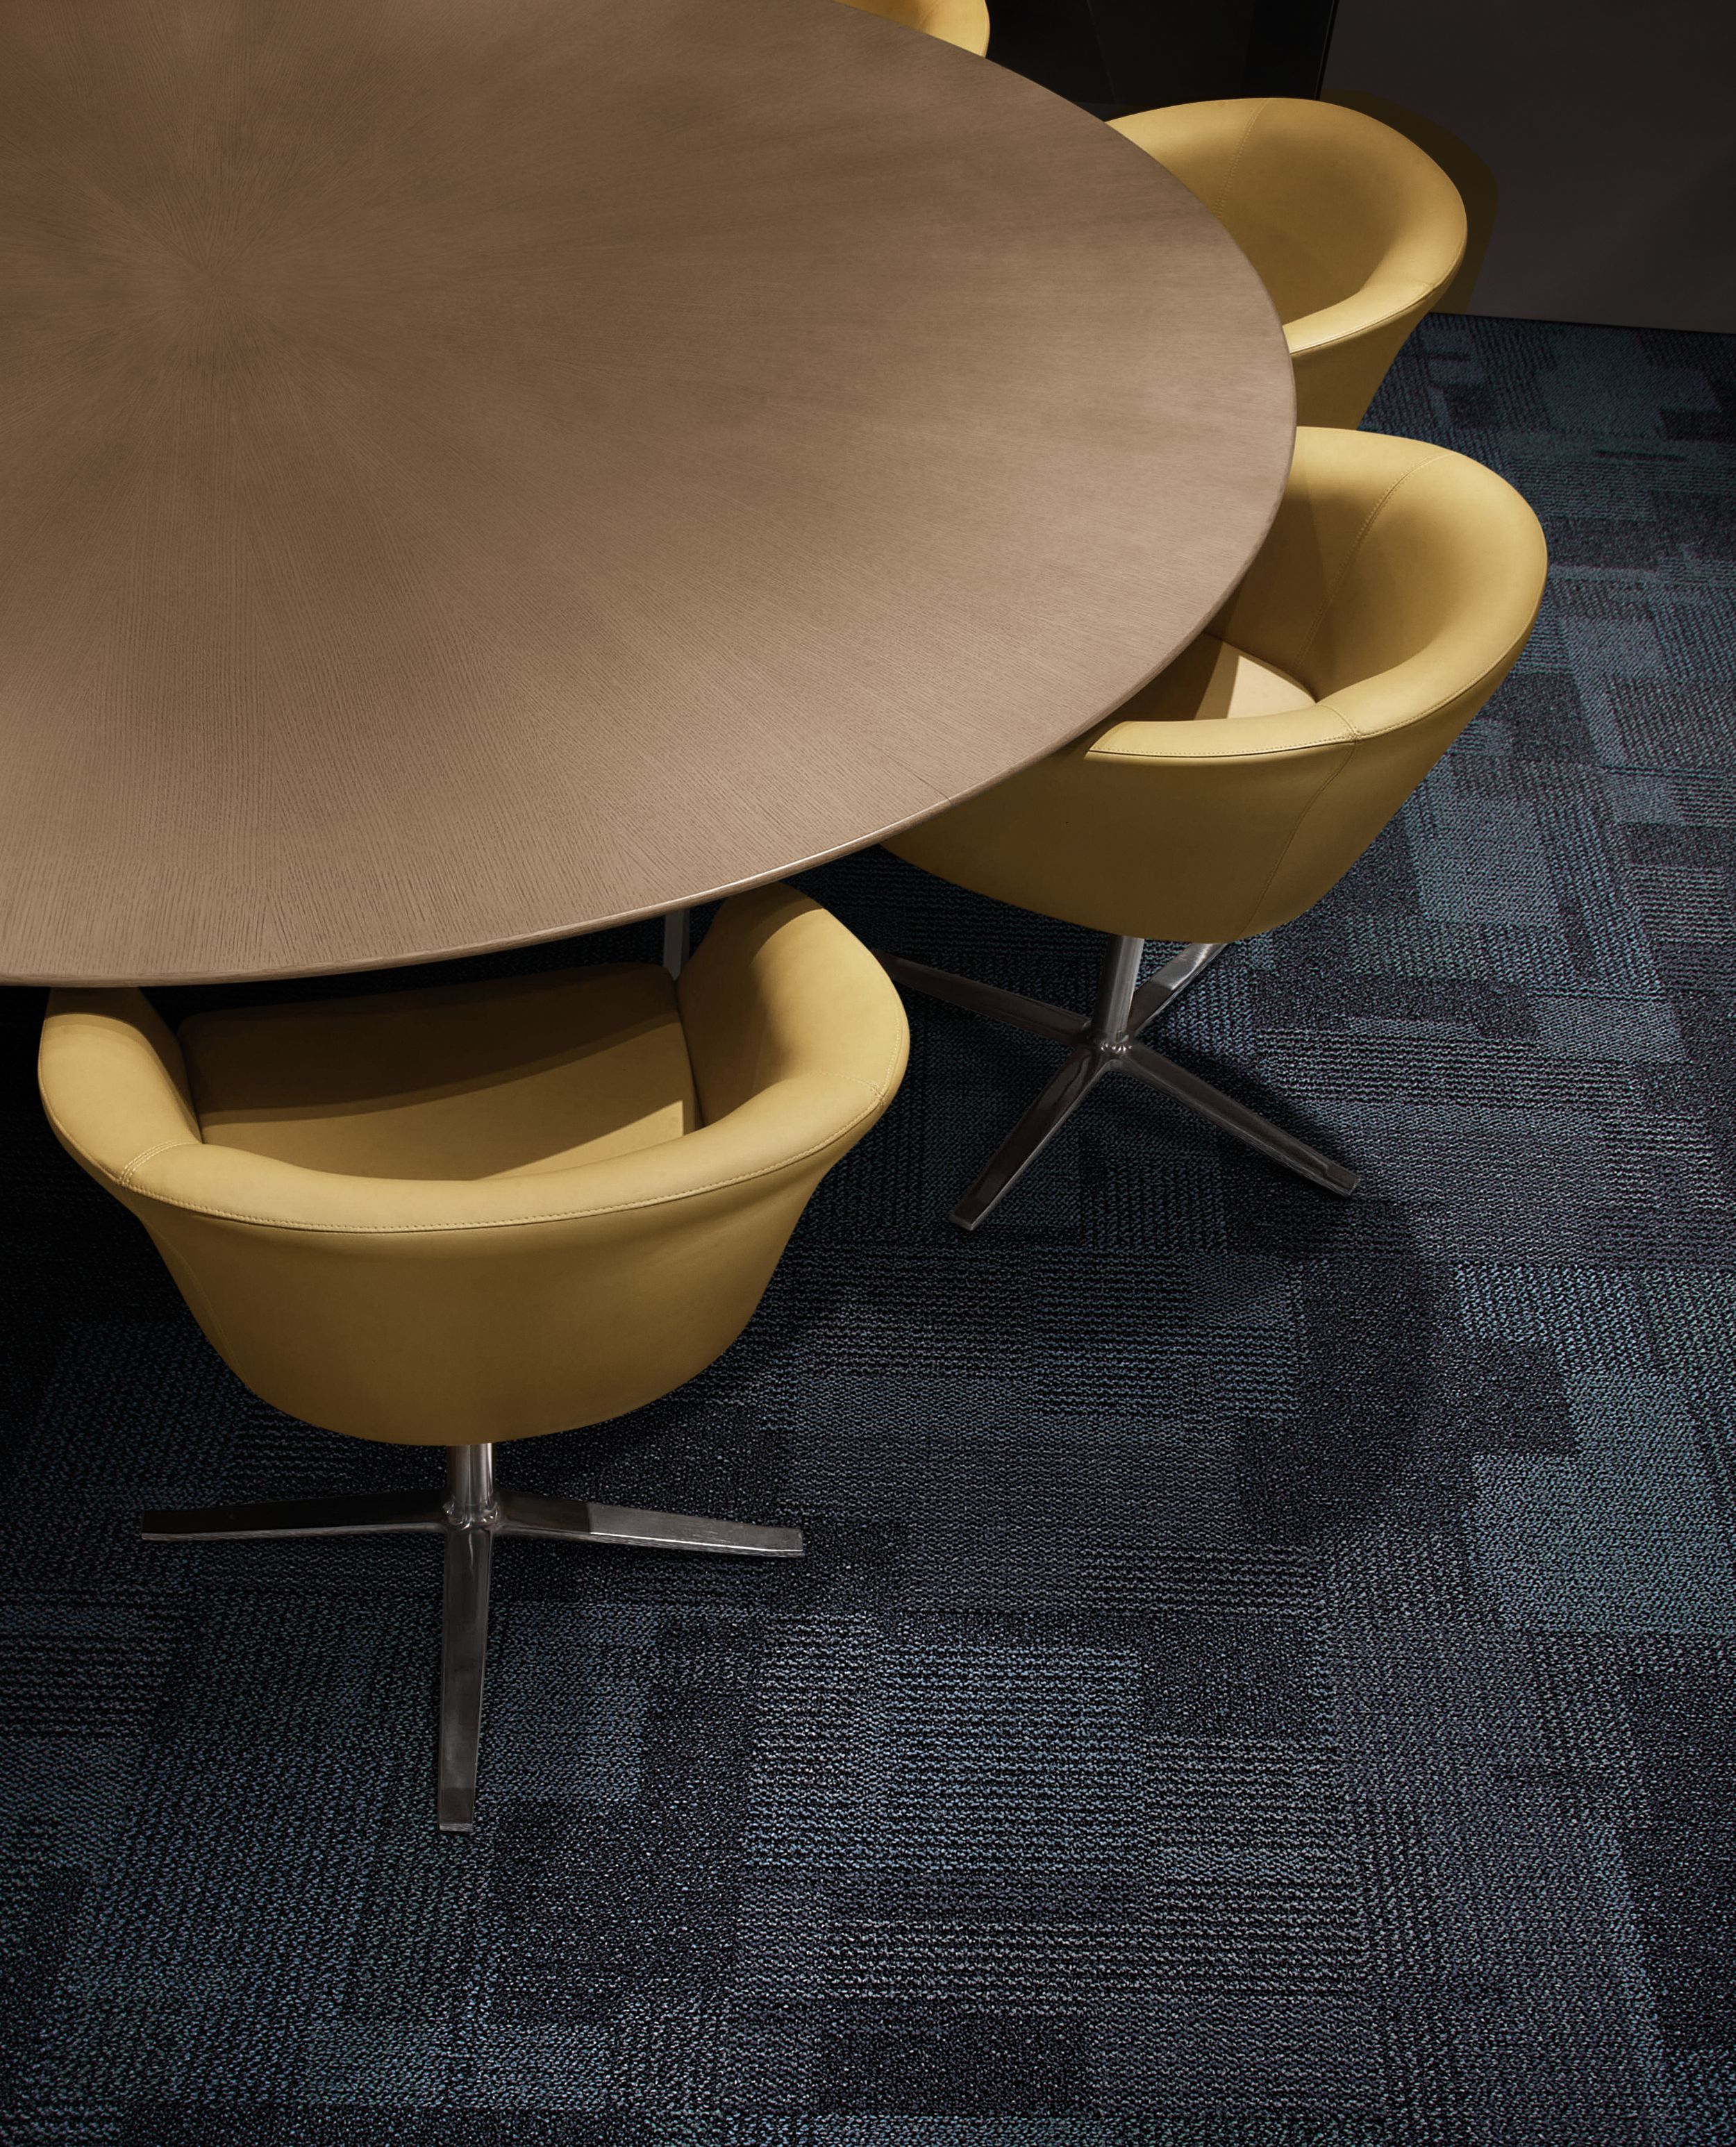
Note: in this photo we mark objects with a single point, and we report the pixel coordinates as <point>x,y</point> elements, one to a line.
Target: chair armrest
<point>1241,738</point>
<point>787,1130</point>
<point>1387,299</point>
<point>114,1081</point>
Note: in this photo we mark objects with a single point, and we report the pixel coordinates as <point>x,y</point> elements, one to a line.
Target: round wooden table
<point>480,470</point>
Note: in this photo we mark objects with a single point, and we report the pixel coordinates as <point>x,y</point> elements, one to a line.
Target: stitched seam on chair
<point>124,1176</point>
<point>1302,819</point>
<point>1495,672</point>
<point>1236,752</point>
<point>516,1221</point>
<point>1357,738</point>
<point>1362,328</point>
<point>1235,162</point>
<point>1356,546</point>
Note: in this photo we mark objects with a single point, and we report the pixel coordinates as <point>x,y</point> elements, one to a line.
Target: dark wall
<point>1606,128</point>
<point>1593,139</point>
<point>1119,56</point>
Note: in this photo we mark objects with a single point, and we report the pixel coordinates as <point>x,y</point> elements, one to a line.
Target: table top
<point>481,470</point>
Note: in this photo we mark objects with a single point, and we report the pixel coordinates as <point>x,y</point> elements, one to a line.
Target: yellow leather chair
<point>1352,230</point>
<point>1394,592</point>
<point>955,22</point>
<point>480,1212</point>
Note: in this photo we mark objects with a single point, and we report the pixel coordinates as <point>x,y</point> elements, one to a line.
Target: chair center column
<point>470,1500</point>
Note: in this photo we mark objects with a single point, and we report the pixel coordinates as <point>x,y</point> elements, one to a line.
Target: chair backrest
<point>1324,201</point>
<point>1398,585</point>
<point>1396,588</point>
<point>444,1312</point>
<point>1397,579</point>
<point>963,22</point>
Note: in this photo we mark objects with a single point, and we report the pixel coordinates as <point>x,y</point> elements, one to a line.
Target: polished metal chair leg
<point>579,1520</point>
<point>1107,1041</point>
<point>473,1512</point>
<point>1224,1111</point>
<point>1055,1023</point>
<point>367,1514</point>
<point>1079,1074</point>
<point>1159,993</point>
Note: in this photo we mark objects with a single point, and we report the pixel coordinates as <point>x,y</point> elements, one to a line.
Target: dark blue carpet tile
<point>1265,1673</point>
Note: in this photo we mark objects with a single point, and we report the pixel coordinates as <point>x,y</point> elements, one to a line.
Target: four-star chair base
<point>471,1515</point>
<point>1106,1041</point>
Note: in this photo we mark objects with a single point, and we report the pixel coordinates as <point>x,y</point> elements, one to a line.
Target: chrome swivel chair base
<point>1106,1041</point>
<point>471,1515</point>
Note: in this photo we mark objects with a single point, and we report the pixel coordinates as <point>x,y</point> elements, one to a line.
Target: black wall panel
<point>1602,131</point>
<point>1127,55</point>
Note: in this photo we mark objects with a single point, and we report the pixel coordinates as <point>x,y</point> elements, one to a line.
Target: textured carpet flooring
<point>1265,1675</point>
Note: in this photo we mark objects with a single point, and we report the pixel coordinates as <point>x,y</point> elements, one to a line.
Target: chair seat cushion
<point>497,1079</point>
<point>1209,680</point>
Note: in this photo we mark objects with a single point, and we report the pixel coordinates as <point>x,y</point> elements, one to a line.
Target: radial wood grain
<point>476,470</point>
